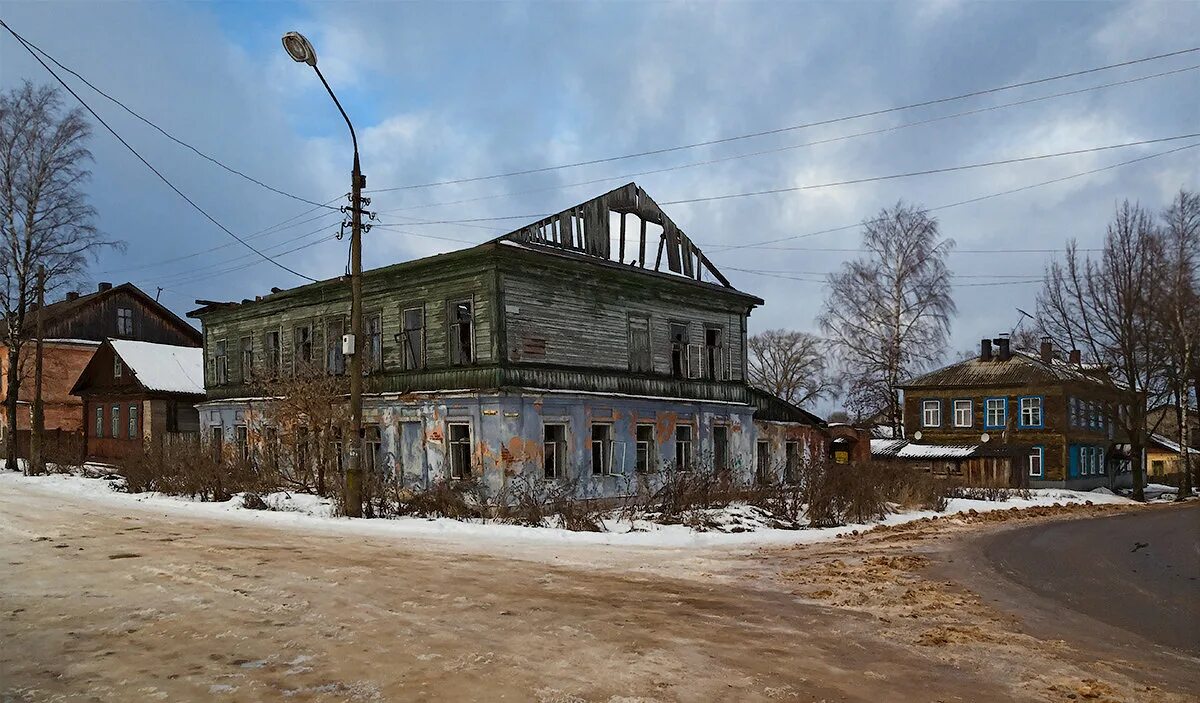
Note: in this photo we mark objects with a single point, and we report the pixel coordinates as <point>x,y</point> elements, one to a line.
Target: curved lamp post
<point>299,48</point>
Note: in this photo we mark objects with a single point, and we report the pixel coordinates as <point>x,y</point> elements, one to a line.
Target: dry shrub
<point>185,467</point>
<point>859,493</point>
<point>533,502</point>
<point>995,494</point>
<point>683,492</point>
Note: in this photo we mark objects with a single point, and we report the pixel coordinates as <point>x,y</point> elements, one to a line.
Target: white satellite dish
<point>917,435</point>
<point>985,437</point>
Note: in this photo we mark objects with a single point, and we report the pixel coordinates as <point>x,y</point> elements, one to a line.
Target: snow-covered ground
<point>311,513</point>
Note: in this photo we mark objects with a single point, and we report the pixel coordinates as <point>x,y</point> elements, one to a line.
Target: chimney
<point>1004,354</point>
<point>1047,350</point>
<point>104,285</point>
<point>73,295</point>
<point>1075,357</point>
<point>985,350</point>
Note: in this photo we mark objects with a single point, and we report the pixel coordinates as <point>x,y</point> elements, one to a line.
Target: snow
<point>163,367</point>
<point>1170,445</point>
<point>934,451</point>
<point>296,511</point>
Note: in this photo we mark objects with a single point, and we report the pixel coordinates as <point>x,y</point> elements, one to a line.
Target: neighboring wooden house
<point>138,393</point>
<point>1164,458</point>
<point>594,346</point>
<point>1164,420</point>
<point>73,329</point>
<point>1056,413</point>
<point>970,464</point>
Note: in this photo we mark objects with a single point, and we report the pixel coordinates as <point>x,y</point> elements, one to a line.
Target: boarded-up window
<point>335,361</point>
<point>459,434</point>
<point>217,442</point>
<point>720,457</point>
<point>762,462</point>
<point>461,331</point>
<point>412,338</point>
<point>640,359</point>
<point>791,455</point>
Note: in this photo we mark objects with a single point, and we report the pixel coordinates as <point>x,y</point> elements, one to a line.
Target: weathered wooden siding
<point>98,320</point>
<point>578,319</point>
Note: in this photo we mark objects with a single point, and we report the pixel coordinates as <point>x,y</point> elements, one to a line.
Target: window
<point>247,347</point>
<point>679,336</point>
<point>373,444</point>
<point>1158,467</point>
<point>1100,467</point>
<point>762,462</point>
<point>124,322</point>
<point>1036,459</point>
<point>243,442</point>
<point>271,352</point>
<point>1094,416</point>
<point>995,413</point>
<point>645,448</point>
<point>271,447</point>
<point>99,420</point>
<point>375,341</point>
<point>116,422</point>
<point>1073,405</point>
<point>412,338</point>
<point>302,348</point>
<point>791,453</point>
<point>554,451</point>
<point>1031,411</point>
<point>683,447</point>
<point>220,363</point>
<point>460,449</point>
<point>713,353</point>
<point>335,360</point>
<point>133,429</point>
<point>461,333</point>
<point>964,413</point>
<point>931,413</point>
<point>117,368</point>
<point>720,439</point>
<point>639,345</point>
<point>217,442</point>
<point>602,449</point>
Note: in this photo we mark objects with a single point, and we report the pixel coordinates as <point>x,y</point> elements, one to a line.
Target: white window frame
<point>928,406</point>
<point>1039,453</point>
<point>970,408</point>
<point>686,446</point>
<point>648,446</point>
<point>606,449</point>
<point>118,369</point>
<point>1028,406</point>
<point>1002,405</point>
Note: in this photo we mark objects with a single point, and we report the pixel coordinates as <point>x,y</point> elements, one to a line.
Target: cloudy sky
<point>446,91</point>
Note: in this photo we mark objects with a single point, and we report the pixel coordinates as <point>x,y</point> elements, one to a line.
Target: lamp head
<point>300,49</point>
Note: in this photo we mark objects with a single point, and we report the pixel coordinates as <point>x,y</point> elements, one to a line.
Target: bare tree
<point>888,313</point>
<point>45,218</point>
<point>791,365</point>
<point>1105,306</point>
<point>306,415</point>
<point>1179,313</point>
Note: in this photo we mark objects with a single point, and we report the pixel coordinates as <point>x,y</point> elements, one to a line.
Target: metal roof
<point>1018,370</point>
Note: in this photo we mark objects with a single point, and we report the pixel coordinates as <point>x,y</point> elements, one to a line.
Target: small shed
<point>969,464</point>
<point>135,393</point>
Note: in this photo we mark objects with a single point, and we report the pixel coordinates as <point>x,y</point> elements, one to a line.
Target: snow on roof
<point>903,449</point>
<point>163,367</point>
<point>1170,445</point>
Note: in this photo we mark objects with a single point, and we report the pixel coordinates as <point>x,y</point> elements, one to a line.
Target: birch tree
<point>1179,314</point>
<point>887,313</point>
<point>791,365</point>
<point>1105,307</point>
<point>45,218</point>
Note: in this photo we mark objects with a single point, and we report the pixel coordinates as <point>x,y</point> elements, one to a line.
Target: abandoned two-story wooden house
<point>560,350</point>
<point>1027,418</point>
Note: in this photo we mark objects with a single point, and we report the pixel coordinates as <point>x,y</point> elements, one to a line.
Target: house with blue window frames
<point>1054,415</point>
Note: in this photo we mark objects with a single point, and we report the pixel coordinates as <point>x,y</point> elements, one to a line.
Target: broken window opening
<point>220,363</point>
<point>645,458</point>
<point>302,348</point>
<point>762,462</point>
<point>335,360</point>
<point>271,353</point>
<point>679,337</point>
<point>412,338</point>
<point>602,448</point>
<point>683,447</point>
<point>720,440</point>
<point>242,438</point>
<point>247,347</point>
<point>373,443</point>
<point>461,333</point>
<point>125,322</point>
<point>714,352</point>
<point>459,434</point>
<point>375,341</point>
<point>554,451</point>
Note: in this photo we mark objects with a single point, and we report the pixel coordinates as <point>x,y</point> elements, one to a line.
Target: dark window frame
<point>455,335</point>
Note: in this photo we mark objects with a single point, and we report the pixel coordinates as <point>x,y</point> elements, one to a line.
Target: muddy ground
<point>107,604</point>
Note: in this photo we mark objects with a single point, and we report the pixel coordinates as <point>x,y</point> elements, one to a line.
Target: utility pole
<point>37,465</point>
<point>301,51</point>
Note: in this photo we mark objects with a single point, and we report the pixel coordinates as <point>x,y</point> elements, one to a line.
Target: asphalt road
<point>1139,572</point>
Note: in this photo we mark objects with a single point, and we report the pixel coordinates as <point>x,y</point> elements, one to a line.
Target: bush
<point>186,468</point>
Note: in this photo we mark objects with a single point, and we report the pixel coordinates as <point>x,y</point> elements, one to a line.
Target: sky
<point>447,91</point>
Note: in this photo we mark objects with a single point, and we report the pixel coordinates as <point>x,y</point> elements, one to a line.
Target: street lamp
<point>301,51</point>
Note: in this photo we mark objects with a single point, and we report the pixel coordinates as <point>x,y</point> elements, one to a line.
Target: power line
<point>792,147</point>
<point>146,163</point>
<point>853,181</point>
<point>763,244</point>
<point>167,134</point>
<point>779,130</point>
<point>773,274</point>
